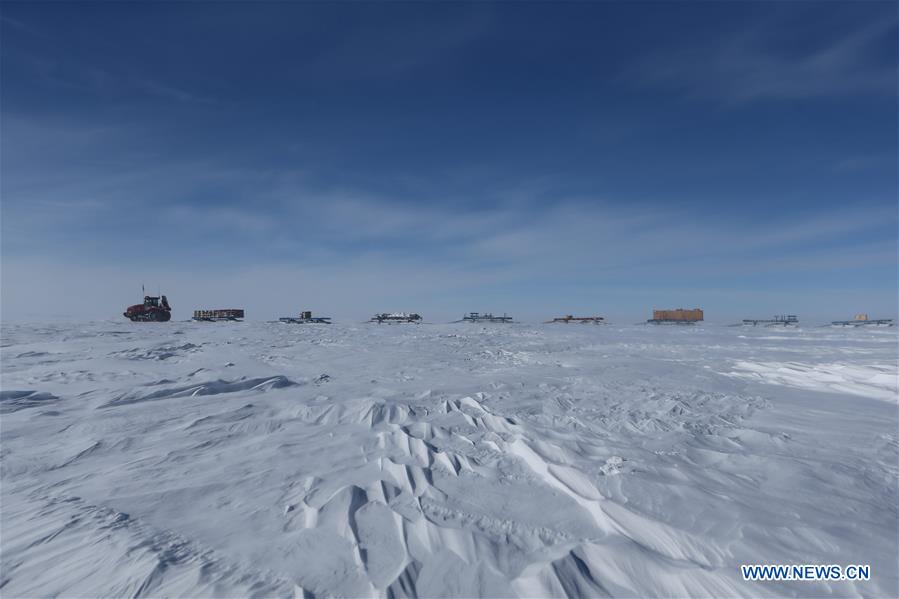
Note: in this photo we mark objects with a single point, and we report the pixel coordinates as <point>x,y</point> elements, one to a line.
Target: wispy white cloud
<point>864,162</point>
<point>353,252</point>
<point>169,92</point>
<point>752,65</point>
<point>20,25</point>
<point>394,49</point>
<point>283,213</point>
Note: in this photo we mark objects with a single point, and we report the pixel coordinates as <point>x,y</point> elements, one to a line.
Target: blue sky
<point>530,157</point>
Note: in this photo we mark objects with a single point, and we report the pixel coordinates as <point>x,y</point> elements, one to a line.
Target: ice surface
<point>198,459</point>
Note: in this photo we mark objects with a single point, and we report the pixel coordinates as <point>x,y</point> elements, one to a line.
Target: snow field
<point>263,459</point>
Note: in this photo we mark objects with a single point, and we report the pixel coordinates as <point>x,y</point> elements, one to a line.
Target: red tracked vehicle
<point>154,309</point>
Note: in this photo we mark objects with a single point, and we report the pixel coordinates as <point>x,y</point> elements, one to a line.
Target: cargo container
<point>680,315</point>
<point>220,314</point>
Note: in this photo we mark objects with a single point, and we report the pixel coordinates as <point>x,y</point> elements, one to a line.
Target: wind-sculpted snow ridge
<point>11,401</point>
<point>871,380</point>
<point>255,459</point>
<point>207,388</point>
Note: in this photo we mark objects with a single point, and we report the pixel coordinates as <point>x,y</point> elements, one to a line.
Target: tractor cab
<point>152,310</point>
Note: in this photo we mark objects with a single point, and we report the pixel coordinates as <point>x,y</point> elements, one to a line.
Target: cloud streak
<point>753,65</point>
<point>358,252</point>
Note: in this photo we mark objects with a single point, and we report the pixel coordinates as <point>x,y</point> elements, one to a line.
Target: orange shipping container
<point>679,315</point>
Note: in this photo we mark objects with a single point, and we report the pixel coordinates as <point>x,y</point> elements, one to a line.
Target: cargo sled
<point>862,320</point>
<point>578,319</point>
<point>486,317</point>
<point>306,317</point>
<point>780,320</point>
<point>397,318</point>
<point>233,314</point>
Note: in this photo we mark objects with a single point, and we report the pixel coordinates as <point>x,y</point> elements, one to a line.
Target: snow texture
<point>262,459</point>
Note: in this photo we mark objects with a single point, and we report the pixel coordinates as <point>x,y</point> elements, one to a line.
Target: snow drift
<point>192,459</point>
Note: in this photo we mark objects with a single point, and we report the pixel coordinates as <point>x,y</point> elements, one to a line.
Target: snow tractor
<point>154,309</point>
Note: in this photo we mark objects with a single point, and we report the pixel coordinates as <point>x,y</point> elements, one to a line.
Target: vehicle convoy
<point>154,309</point>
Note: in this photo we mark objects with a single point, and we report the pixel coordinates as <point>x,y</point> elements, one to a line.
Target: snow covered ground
<point>234,459</point>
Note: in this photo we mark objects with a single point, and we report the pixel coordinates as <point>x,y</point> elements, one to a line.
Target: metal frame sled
<point>222,315</point>
<point>779,320</point>
<point>486,317</point>
<point>578,319</point>
<point>306,317</point>
<point>397,318</point>
<point>862,320</point>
